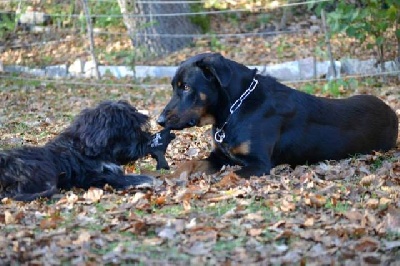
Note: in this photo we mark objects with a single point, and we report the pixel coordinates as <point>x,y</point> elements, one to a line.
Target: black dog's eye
<point>186,87</point>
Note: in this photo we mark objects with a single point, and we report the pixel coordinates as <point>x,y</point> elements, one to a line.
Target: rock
<point>355,66</point>
<point>57,71</point>
<point>362,67</point>
<point>77,68</point>
<point>154,71</point>
<point>315,28</point>
<point>286,71</point>
<point>34,18</point>
<point>116,71</point>
<point>22,69</point>
<point>89,69</point>
<point>392,66</point>
<point>302,69</point>
<point>330,73</point>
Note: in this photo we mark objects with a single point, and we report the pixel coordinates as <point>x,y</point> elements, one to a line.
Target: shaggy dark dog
<point>88,153</point>
<point>259,123</point>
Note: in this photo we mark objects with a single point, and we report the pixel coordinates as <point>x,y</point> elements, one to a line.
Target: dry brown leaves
<point>339,212</point>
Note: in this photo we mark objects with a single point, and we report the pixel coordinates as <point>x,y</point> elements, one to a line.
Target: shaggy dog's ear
<point>93,131</point>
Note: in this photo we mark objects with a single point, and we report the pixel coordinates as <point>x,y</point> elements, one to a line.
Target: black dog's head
<point>111,130</point>
<point>197,85</point>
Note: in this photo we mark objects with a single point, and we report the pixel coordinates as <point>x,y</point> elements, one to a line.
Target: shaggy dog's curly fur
<point>88,153</point>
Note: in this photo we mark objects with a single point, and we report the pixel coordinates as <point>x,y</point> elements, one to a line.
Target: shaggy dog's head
<point>111,131</point>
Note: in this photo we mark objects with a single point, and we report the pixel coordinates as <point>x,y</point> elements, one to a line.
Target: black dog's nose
<point>162,120</point>
<point>192,123</point>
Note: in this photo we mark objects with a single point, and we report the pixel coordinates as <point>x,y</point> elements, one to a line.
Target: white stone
<point>77,67</point>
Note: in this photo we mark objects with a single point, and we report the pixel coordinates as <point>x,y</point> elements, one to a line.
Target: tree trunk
<point>150,25</point>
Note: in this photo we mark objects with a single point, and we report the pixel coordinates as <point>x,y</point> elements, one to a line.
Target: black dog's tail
<point>16,180</point>
<point>32,196</point>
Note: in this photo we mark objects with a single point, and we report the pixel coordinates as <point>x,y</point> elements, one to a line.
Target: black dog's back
<point>334,128</point>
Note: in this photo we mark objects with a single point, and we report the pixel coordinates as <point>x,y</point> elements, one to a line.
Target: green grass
<point>219,208</point>
<point>338,208</point>
<point>173,210</point>
<point>227,245</point>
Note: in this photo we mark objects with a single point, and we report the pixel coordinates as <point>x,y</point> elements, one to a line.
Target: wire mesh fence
<point>51,39</point>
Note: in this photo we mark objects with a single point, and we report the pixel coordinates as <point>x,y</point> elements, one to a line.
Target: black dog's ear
<point>216,65</point>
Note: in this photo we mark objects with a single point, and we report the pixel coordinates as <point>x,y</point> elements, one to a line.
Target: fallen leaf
<point>229,181</point>
<point>155,241</point>
<point>51,222</point>
<point>255,231</point>
<point>93,194</point>
<point>287,206</point>
<point>372,203</point>
<point>353,216</point>
<point>367,244</point>
<point>9,218</point>
<point>309,222</point>
<point>160,200</point>
<point>83,238</point>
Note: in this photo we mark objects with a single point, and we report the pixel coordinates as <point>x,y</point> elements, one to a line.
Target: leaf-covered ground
<point>339,212</point>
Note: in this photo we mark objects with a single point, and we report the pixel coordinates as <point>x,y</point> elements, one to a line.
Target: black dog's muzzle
<point>162,120</point>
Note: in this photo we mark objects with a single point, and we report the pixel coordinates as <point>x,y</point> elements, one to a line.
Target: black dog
<point>259,123</point>
<point>87,153</point>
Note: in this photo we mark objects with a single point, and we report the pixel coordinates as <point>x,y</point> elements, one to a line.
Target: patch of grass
<point>340,207</point>
<point>166,254</point>
<point>215,44</point>
<point>268,235</point>
<point>127,56</point>
<point>284,49</point>
<point>8,146</point>
<point>219,208</point>
<point>202,21</point>
<point>105,249</point>
<point>18,127</point>
<point>309,88</point>
<point>392,236</point>
<point>227,245</point>
<point>94,227</point>
<point>10,228</point>
<point>173,210</point>
<point>376,164</point>
<point>129,235</point>
<point>259,206</point>
<point>380,160</point>
<point>339,87</point>
<point>101,208</point>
